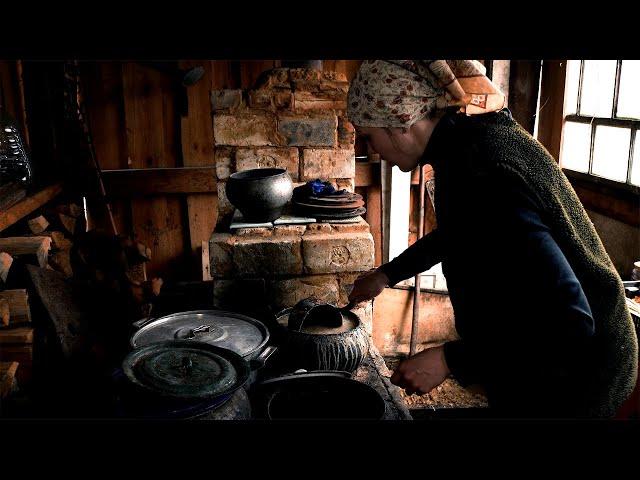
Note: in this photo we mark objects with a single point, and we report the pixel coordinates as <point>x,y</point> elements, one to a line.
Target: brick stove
<point>292,119</point>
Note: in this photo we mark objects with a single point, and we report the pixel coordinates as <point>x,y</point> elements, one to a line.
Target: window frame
<point>617,200</point>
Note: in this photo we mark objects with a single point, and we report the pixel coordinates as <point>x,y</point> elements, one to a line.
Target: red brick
<point>348,184</point>
<point>318,228</point>
<point>253,232</point>
<point>225,99</point>
<point>224,162</point>
<point>346,133</point>
<point>257,128</point>
<point>221,254</point>
<point>283,230</point>
<point>268,256</point>
<point>361,226</point>
<point>224,205</point>
<point>286,293</point>
<point>312,131</point>
<point>327,163</point>
<point>287,158</point>
<point>307,101</point>
<point>270,98</point>
<point>337,252</point>
<point>274,78</point>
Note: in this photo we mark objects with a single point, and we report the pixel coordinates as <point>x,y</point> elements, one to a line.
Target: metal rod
<point>23,104</point>
<point>82,115</point>
<point>416,290</point>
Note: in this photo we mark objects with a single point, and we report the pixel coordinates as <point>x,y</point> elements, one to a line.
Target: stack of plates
<point>328,207</point>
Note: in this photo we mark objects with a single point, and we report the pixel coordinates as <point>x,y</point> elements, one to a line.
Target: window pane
<point>598,85</point>
<point>576,143</point>
<point>611,152</point>
<point>571,87</point>
<point>635,166</point>
<point>629,93</point>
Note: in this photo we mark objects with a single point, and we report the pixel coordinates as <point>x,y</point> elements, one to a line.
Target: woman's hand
<point>368,286</point>
<point>423,372</point>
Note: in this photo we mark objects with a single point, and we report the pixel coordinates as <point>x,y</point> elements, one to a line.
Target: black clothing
<point>528,332</point>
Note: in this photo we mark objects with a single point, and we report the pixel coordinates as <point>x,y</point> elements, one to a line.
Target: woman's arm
<point>421,256</point>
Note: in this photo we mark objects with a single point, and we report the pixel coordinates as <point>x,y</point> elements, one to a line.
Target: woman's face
<point>400,147</point>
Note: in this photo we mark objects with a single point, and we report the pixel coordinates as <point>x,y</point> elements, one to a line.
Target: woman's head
<point>400,146</point>
<point>395,104</point>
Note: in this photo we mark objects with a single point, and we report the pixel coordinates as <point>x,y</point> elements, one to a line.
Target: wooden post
<point>523,91</point>
<point>552,105</point>
<point>197,150</point>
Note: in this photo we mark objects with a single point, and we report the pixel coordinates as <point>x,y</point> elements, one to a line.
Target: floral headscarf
<point>398,93</point>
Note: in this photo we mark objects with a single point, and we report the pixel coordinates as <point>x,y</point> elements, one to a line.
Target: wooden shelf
<point>26,206</point>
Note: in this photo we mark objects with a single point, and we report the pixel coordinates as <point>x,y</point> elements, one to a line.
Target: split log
<point>60,242</point>
<point>17,336</point>
<point>18,302</point>
<point>73,210</point>
<point>5,313</point>
<point>38,246</point>
<point>6,261</point>
<point>7,375</point>
<point>38,224</point>
<point>61,261</point>
<point>68,222</point>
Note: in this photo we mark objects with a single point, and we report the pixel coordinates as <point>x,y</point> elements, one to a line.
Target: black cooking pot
<point>260,193</point>
<point>184,379</point>
<point>321,395</point>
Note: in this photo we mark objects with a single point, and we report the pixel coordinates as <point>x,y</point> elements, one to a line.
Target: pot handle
<point>261,359</point>
<point>142,322</point>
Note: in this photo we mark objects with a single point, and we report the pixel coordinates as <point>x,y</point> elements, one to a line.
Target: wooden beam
<point>552,105</point>
<point>28,205</point>
<point>523,91</point>
<point>159,181</point>
<point>367,174</point>
<point>198,150</point>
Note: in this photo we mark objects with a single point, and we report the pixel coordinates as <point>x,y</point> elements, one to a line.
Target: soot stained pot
<point>185,379</point>
<point>260,193</point>
<point>323,337</point>
<point>317,395</point>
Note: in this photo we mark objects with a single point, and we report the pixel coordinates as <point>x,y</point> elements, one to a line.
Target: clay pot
<point>260,193</point>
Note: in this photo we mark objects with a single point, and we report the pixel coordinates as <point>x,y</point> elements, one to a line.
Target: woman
<point>538,305</point>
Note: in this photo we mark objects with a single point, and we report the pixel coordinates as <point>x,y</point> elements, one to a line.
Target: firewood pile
<point>104,272</point>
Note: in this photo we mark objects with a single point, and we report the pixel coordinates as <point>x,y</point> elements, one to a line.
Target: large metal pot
<point>260,193</point>
<point>239,333</point>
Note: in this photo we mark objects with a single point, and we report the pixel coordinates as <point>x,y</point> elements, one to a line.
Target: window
<point>601,119</point>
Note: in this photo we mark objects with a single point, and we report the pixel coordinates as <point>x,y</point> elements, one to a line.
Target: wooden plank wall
<point>137,124</point>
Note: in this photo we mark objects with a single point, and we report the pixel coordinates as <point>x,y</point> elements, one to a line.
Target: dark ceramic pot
<point>317,342</point>
<point>261,193</point>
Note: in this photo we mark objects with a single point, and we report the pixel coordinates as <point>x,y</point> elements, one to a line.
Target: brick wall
<point>291,118</point>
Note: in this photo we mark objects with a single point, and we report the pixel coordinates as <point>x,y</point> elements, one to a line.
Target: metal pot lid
<point>233,331</point>
<point>186,369</point>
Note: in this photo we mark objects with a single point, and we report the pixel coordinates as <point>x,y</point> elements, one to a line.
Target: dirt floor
<point>450,394</point>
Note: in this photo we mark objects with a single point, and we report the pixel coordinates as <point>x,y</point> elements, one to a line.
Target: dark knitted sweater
<point>538,305</point>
